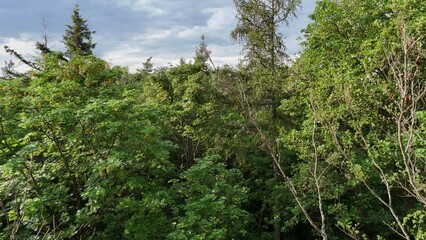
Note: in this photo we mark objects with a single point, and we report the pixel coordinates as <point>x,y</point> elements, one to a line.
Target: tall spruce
<point>258,29</point>
<point>78,37</point>
<point>202,54</point>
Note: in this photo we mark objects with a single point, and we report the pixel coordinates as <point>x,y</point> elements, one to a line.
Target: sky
<point>130,31</point>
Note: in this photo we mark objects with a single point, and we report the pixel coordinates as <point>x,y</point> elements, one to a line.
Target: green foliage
<point>348,73</point>
<point>79,150</point>
<point>416,223</point>
<point>187,92</point>
<point>191,151</point>
<point>211,202</point>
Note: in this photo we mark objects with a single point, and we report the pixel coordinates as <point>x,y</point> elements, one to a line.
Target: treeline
<point>331,146</point>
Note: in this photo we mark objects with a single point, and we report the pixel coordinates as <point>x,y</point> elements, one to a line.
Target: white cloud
<point>168,45</point>
<point>151,7</point>
<point>126,54</point>
<point>24,44</point>
<point>133,53</point>
<point>130,31</point>
<point>219,24</point>
<point>221,17</point>
<point>225,54</point>
<point>154,35</point>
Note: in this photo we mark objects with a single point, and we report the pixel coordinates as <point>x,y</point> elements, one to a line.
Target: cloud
<point>225,54</point>
<point>24,44</point>
<point>130,31</point>
<point>126,54</point>
<point>221,17</point>
<point>168,44</point>
<point>218,25</point>
<point>153,8</point>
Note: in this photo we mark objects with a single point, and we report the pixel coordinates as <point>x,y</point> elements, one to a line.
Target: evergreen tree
<point>258,25</point>
<point>202,54</point>
<point>78,37</point>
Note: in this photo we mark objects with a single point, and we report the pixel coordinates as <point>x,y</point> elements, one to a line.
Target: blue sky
<point>130,31</point>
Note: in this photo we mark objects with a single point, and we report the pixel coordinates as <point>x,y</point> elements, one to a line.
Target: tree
<point>202,54</point>
<point>258,27</point>
<point>77,160</point>
<point>78,37</point>
<point>189,96</point>
<point>211,202</point>
<point>361,73</point>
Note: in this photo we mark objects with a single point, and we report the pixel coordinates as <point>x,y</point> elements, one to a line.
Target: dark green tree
<point>258,27</point>
<point>261,89</point>
<point>78,36</point>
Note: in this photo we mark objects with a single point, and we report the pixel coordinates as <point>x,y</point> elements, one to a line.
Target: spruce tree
<point>202,54</point>
<point>258,28</point>
<point>78,37</point>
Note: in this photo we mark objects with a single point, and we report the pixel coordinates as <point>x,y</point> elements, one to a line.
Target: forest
<point>329,145</point>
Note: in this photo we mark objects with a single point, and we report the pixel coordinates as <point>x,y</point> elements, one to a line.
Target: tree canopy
<point>329,146</point>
